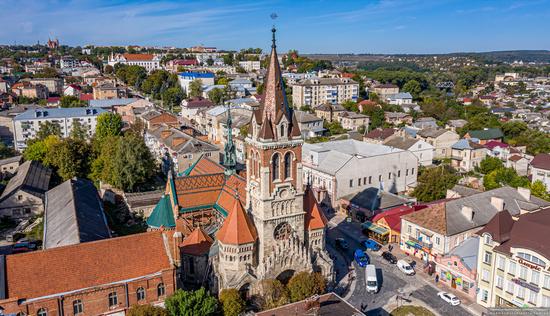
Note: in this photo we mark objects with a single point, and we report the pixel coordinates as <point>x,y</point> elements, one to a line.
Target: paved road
<point>392,282</point>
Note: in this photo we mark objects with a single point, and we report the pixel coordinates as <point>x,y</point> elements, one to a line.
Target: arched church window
<point>275,167</point>
<point>282,231</point>
<point>288,164</point>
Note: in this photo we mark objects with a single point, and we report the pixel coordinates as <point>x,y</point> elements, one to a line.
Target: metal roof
<point>107,103</point>
<point>52,113</point>
<point>32,177</point>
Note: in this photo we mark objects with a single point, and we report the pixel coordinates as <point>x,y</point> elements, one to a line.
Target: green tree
<point>376,115</point>
<point>210,61</point>
<point>47,72</point>
<point>69,101</point>
<point>513,129</point>
<point>216,95</point>
<point>232,302</point>
<point>489,164</point>
<point>5,151</point>
<point>108,124</point>
<point>413,87</point>
<point>334,127</point>
<point>504,176</point>
<point>108,69</point>
<point>70,158</point>
<point>191,303</point>
<point>79,131</point>
<point>147,310</point>
<point>304,285</point>
<point>38,149</point>
<point>274,294</point>
<point>48,128</point>
<point>433,183</point>
<point>538,189</point>
<point>172,97</point>
<point>195,88</point>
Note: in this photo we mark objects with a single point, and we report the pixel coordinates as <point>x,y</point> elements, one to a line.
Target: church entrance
<point>285,276</point>
<point>244,291</point>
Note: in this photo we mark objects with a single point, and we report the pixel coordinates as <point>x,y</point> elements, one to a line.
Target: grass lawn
<point>408,310</point>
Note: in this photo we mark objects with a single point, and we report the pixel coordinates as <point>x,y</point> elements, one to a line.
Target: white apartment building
<point>338,168</point>
<point>148,61</point>
<point>250,65</point>
<point>540,169</point>
<point>27,124</point>
<point>185,78</point>
<point>315,91</point>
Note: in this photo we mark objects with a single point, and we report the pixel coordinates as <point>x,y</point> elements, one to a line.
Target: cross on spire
<point>273,30</point>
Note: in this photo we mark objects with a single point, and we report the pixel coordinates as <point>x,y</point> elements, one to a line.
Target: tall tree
<point>69,101</point>
<point>539,189</point>
<point>489,164</point>
<point>232,302</point>
<point>304,285</point>
<point>172,97</point>
<point>216,95</point>
<point>413,87</point>
<point>274,294</point>
<point>433,183</point>
<point>195,88</point>
<point>48,128</point>
<point>191,303</point>
<point>79,131</point>
<point>70,158</point>
<point>108,124</point>
<point>5,151</point>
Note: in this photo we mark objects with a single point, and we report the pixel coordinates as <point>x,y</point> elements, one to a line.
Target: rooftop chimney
<point>525,193</point>
<point>468,212</point>
<point>498,203</point>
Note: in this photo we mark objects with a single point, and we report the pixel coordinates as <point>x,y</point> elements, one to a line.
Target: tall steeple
<point>230,157</point>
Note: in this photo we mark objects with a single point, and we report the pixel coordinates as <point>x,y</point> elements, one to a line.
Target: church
<point>233,229</point>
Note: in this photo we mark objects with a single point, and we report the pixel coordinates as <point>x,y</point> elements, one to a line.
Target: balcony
<point>427,245</point>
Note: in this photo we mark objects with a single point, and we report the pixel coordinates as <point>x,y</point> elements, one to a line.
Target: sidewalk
<point>344,270</point>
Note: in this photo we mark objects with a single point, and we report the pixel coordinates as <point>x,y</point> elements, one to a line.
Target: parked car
<point>389,257</point>
<point>24,246</point>
<point>405,267</point>
<point>370,244</point>
<point>449,298</point>
<point>342,243</point>
<point>361,258</point>
<point>372,279</point>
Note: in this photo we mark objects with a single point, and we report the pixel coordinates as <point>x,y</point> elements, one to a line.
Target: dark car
<point>370,244</point>
<point>389,257</point>
<point>342,243</point>
<point>24,246</point>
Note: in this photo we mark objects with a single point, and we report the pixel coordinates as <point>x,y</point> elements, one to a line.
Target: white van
<point>372,279</point>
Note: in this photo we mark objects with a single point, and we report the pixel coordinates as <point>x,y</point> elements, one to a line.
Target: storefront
<point>418,249</point>
<point>376,232</point>
<point>457,281</point>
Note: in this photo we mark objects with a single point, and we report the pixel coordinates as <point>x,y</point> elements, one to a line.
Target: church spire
<point>230,157</point>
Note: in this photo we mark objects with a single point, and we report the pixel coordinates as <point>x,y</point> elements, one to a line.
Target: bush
<point>304,285</point>
<point>232,303</point>
<point>274,294</point>
<point>147,310</point>
<point>191,303</point>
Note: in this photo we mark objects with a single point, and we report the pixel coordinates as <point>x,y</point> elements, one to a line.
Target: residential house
<point>458,268</point>
<point>518,162</point>
<point>365,204</point>
<point>486,135</point>
<point>467,154</point>
<point>27,124</point>
<point>112,104</point>
<point>383,91</point>
<point>454,124</point>
<point>400,98</point>
<point>148,61</point>
<point>513,261</point>
<point>153,118</point>
<point>498,149</point>
<point>72,90</point>
<point>314,91</point>
<point>109,90</point>
<point>310,125</point>
<point>190,107</point>
<point>175,64</point>
<point>378,135</point>
<point>329,112</point>
<point>54,85</point>
<point>539,168</point>
<point>185,78</point>
<point>434,231</point>
<point>73,214</point>
<point>441,139</point>
<point>24,193</point>
<point>29,90</point>
<point>131,112</point>
<point>107,276</point>
<point>421,149</point>
<point>338,168</point>
<point>390,220</point>
<point>397,118</point>
<point>250,65</point>
<point>425,122</point>
<point>353,121</point>
<point>9,166</point>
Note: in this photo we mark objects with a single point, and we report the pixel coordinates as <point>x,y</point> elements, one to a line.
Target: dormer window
<point>488,239</point>
<point>282,130</point>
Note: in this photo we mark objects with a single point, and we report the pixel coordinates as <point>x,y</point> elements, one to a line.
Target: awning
<point>375,228</point>
<point>413,244</point>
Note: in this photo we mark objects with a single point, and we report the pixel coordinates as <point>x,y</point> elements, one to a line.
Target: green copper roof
<point>489,133</point>
<point>162,215</point>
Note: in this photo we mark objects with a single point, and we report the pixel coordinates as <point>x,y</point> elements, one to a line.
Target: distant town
<point>199,181</point>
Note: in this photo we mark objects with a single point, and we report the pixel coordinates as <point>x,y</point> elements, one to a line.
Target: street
<point>392,281</point>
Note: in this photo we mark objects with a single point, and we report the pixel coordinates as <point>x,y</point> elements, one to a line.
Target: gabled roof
<point>197,243</point>
<point>380,133</point>
<point>541,161</point>
<point>139,57</point>
<point>467,252</point>
<point>432,218</point>
<point>499,227</point>
<point>486,133</point>
<point>493,144</point>
<point>85,265</point>
<point>237,228</point>
<point>32,177</point>
<point>314,218</point>
<point>401,142</point>
<point>74,214</point>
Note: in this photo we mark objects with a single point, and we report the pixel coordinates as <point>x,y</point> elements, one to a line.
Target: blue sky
<point>340,26</point>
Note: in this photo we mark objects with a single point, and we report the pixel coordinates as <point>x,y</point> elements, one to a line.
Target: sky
<point>322,26</point>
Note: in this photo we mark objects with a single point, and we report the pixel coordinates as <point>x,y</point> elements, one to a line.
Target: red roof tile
<point>314,218</point>
<point>541,161</point>
<point>138,56</point>
<point>62,269</point>
<point>237,229</point>
<point>197,243</point>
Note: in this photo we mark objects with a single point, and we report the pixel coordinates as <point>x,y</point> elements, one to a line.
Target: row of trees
<point>120,159</point>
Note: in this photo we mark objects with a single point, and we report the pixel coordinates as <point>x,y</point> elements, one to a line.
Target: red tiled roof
<point>433,218</point>
<point>197,243</point>
<point>515,158</point>
<point>201,190</point>
<point>541,161</point>
<point>138,56</point>
<point>314,217</point>
<point>206,166</point>
<point>62,269</point>
<point>237,229</point>
<point>86,96</point>
<point>53,99</point>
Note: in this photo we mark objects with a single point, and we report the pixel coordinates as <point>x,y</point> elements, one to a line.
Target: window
<point>521,292</point>
<point>409,229</point>
<point>546,281</point>
<point>78,308</point>
<point>501,262</point>
<point>499,282</point>
<point>512,268</point>
<point>484,295</point>
<point>488,257</point>
<point>379,178</point>
<point>487,239</point>
<point>535,277</point>
<point>398,173</point>
<point>283,130</point>
<point>389,175</point>
<point>523,273</point>
<point>437,240</point>
<point>160,289</point>
<point>406,172</point>
<point>351,183</point>
<point>364,180</point>
<point>412,171</point>
<point>113,299</point>
<point>532,259</point>
<point>359,181</point>
<point>140,294</point>
<point>485,275</point>
<point>19,197</point>
<point>370,179</point>
<point>42,312</point>
<point>510,288</point>
<point>288,165</point>
<point>275,167</point>
<point>532,297</point>
<point>545,301</point>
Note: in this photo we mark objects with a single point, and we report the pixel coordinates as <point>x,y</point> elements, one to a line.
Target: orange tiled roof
<point>138,56</point>
<point>206,166</point>
<point>314,218</point>
<point>194,191</point>
<point>237,229</point>
<point>62,269</point>
<point>433,218</point>
<point>197,243</point>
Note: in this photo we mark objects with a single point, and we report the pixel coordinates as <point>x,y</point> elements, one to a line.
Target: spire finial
<point>273,30</point>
